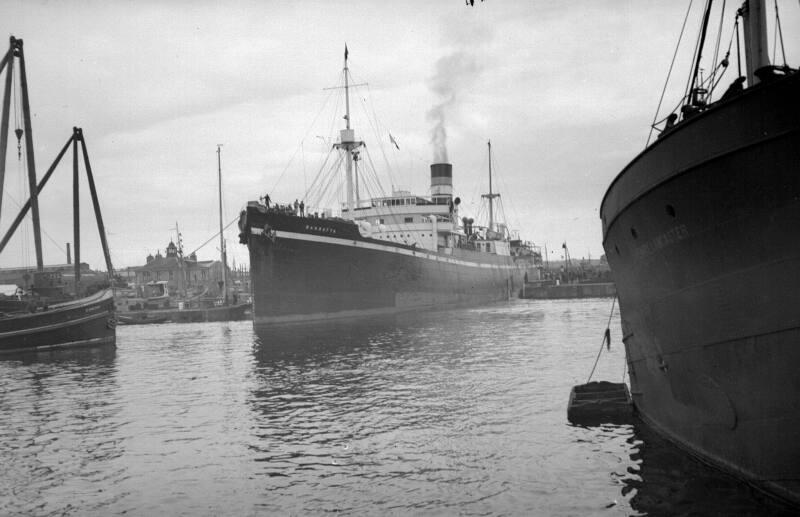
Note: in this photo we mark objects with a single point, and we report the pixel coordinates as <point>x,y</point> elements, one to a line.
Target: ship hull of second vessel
<point>700,231</point>
<point>305,269</point>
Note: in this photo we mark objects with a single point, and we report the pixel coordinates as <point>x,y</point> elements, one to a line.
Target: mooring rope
<point>606,339</point>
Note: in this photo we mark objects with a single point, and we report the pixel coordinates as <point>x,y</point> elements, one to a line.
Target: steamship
<point>381,255</point>
<point>700,230</point>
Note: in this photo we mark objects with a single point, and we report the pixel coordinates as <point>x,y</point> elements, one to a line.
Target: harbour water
<point>448,413</point>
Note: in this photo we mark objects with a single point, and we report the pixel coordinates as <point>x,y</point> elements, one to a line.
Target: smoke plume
<point>453,73</point>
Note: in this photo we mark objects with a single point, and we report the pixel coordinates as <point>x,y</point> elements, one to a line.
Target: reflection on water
<point>58,428</point>
<point>671,482</point>
<point>460,412</point>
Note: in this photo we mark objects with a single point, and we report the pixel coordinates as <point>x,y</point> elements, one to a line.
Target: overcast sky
<point>565,91</point>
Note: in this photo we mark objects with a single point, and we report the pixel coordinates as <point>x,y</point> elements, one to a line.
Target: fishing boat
<point>700,233</point>
<point>49,316</point>
<point>156,302</point>
<point>142,318</point>
<point>376,255</point>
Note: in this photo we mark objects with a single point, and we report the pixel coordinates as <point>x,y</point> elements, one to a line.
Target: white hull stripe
<point>421,253</point>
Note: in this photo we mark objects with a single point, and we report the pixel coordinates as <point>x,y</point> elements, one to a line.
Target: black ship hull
<point>85,322</point>
<point>311,269</point>
<point>700,231</point>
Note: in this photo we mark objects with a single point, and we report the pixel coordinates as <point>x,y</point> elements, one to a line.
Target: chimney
<point>441,183</point>
<point>69,256</point>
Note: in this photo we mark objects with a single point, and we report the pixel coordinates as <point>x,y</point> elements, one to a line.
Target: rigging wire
<point>699,50</point>
<point>373,187</point>
<point>379,185</point>
<point>331,176</point>
<point>44,232</point>
<point>477,188</point>
<point>308,129</point>
<point>376,126</point>
<point>719,33</point>
<point>725,62</point>
<point>321,188</point>
<point>377,130</point>
<point>307,194</point>
<point>503,187</point>
<point>714,86</point>
<point>213,237</point>
<point>669,73</point>
<point>719,38</point>
<point>692,75</point>
<point>778,33</point>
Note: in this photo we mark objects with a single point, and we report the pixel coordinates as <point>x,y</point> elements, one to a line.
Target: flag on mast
<point>345,51</point>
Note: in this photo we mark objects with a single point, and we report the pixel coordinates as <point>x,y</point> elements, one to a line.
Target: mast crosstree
<point>348,143</point>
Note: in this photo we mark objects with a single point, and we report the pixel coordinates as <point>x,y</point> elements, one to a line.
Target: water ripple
<point>459,412</point>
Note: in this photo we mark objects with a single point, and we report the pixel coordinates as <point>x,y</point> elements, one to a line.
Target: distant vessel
<point>155,305</point>
<point>48,317</point>
<point>180,313</point>
<point>700,230</point>
<point>383,255</point>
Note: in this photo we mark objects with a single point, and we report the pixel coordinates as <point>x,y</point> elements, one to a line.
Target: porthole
<point>670,210</point>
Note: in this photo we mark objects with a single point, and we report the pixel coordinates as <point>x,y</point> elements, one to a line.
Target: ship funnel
<point>442,183</point>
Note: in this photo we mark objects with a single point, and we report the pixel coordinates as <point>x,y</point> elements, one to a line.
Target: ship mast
<point>221,236</point>
<point>490,196</point>
<point>349,133</point>
<point>348,142</point>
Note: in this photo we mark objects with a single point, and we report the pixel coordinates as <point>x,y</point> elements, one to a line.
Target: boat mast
<point>755,38</point>
<point>490,196</point>
<point>221,237</point>
<point>181,265</point>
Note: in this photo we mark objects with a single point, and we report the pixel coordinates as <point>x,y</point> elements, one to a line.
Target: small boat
<point>600,402</point>
<point>47,316</point>
<point>86,321</point>
<point>182,314</point>
<point>155,304</point>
